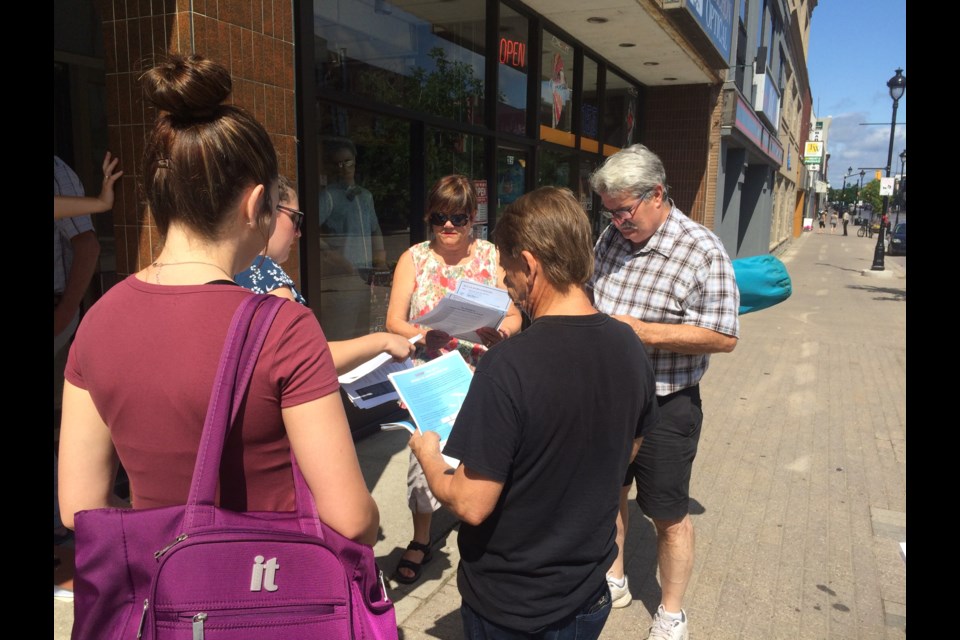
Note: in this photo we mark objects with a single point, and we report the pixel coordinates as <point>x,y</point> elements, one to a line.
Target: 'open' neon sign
<point>513,53</point>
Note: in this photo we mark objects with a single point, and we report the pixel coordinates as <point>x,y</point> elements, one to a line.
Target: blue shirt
<point>265,276</point>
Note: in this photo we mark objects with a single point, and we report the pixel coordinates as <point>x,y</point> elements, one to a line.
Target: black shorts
<point>664,463</point>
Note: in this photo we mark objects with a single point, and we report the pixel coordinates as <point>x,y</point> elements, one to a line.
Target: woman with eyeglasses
<point>426,273</point>
<point>266,275</point>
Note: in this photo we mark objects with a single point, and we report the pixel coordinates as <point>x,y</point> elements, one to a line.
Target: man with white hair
<point>671,280</point>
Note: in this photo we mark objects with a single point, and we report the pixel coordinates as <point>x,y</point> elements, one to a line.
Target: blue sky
<point>855,47</point>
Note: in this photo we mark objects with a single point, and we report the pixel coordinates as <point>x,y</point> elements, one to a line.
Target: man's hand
<point>424,445</point>
<point>491,337</point>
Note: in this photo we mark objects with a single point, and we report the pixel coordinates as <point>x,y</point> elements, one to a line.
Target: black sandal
<point>414,567</point>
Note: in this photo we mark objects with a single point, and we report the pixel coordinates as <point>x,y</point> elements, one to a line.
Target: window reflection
<point>362,225</point>
<point>590,108</point>
<point>427,56</point>
<point>558,168</point>
<point>620,113</point>
<point>556,89</point>
<point>451,152</point>
<point>512,72</point>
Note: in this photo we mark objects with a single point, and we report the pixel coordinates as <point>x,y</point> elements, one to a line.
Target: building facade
<point>370,101</point>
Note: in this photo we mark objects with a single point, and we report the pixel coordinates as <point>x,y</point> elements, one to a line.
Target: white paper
<point>371,365</point>
<point>368,385</point>
<point>484,294</point>
<point>374,388</point>
<point>471,307</point>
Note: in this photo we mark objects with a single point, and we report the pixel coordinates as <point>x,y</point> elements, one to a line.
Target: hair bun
<point>188,88</point>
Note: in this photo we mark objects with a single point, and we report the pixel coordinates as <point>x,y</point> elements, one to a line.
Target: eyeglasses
<point>620,215</point>
<point>345,163</point>
<point>458,219</point>
<point>296,217</point>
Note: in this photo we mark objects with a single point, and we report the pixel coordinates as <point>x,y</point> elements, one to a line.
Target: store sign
<point>482,200</point>
<point>812,152</point>
<point>513,53</point>
<point>714,17</point>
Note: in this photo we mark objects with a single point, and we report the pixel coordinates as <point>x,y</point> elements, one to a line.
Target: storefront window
<point>427,56</point>
<point>619,114</point>
<point>590,108</point>
<point>512,72</point>
<point>558,167</point>
<point>363,222</point>
<point>556,90</point>
<point>511,175</point>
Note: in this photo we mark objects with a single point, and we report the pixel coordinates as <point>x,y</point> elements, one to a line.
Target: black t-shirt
<point>552,413</point>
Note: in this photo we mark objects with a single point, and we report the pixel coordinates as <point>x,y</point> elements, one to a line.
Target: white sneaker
<point>665,629</point>
<point>620,595</point>
<point>60,593</point>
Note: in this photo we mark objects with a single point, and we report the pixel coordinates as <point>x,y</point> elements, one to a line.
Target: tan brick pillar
<point>252,38</point>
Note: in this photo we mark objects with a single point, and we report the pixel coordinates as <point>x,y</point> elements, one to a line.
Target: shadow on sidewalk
<point>890,294</point>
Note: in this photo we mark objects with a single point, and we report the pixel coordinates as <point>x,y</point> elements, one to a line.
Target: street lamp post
<point>897,85</point>
<point>843,194</point>
<point>903,161</point>
<point>862,172</point>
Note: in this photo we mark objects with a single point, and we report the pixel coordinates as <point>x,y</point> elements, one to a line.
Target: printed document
<point>367,385</point>
<point>433,394</point>
<point>470,307</point>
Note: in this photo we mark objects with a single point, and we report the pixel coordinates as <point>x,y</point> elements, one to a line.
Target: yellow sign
<point>878,174</point>
<point>812,152</point>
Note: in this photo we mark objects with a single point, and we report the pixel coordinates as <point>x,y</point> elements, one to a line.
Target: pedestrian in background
<point>542,451</point>
<point>846,221</point>
<point>833,221</point>
<point>671,280</point>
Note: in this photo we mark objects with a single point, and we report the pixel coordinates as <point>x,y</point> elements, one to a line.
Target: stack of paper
<point>368,386</point>
<point>471,307</point>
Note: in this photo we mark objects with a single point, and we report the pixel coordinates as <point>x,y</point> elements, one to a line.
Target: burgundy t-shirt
<point>147,354</point>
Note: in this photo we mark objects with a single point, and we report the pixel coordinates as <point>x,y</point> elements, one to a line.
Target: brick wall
<point>681,125</point>
<point>253,39</point>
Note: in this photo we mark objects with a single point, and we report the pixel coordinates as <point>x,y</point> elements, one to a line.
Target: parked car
<point>897,240</point>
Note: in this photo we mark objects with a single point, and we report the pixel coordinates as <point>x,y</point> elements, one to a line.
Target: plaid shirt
<point>682,275</point>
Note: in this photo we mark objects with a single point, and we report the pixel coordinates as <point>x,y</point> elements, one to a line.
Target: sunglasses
<point>296,217</point>
<point>457,219</point>
<point>345,163</point>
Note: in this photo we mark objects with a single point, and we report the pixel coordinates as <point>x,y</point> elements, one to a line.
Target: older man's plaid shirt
<point>682,276</point>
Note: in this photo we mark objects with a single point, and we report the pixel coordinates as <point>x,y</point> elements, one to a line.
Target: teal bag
<point>763,282</point>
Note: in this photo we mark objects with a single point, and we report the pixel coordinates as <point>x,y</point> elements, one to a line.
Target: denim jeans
<point>585,623</point>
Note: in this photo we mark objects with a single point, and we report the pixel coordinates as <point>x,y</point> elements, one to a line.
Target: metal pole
<point>859,191</point>
<point>879,249</point>
<point>903,159</point>
<point>843,194</point>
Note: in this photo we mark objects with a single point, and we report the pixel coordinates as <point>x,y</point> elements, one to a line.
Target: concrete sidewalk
<point>799,488</point>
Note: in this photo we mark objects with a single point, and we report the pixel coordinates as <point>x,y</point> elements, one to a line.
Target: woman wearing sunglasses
<point>425,274</point>
<point>266,275</point>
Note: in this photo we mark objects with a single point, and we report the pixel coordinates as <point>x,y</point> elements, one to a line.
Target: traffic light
<point>878,176</point>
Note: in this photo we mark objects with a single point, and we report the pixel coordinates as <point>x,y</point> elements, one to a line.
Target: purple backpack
<point>200,571</point>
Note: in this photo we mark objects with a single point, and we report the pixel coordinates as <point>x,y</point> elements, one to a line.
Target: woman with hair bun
<point>140,370</point>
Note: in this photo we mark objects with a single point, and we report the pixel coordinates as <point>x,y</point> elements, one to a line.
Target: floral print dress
<point>435,279</point>
<point>265,275</point>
